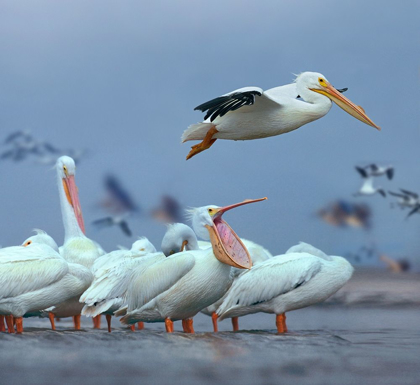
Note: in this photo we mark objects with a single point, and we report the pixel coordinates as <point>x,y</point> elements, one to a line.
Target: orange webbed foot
<point>205,144</point>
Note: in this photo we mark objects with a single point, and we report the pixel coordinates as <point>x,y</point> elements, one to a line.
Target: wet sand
<point>335,343</point>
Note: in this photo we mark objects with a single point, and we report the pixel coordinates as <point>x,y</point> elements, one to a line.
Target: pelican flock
<point>203,268</point>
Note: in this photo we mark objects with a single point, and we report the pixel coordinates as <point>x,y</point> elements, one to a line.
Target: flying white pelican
<point>178,287</point>
<point>112,274</point>
<point>251,113</point>
<point>77,248</point>
<point>300,278</point>
<point>34,277</point>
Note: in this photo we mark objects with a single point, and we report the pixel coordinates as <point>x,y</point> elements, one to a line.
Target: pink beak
<point>73,198</point>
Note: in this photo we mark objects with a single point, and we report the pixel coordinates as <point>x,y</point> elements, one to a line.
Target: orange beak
<point>72,195</point>
<point>346,104</point>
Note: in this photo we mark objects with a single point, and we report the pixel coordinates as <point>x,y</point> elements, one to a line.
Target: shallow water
<point>325,345</point>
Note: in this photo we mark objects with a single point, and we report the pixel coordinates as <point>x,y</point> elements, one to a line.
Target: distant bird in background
<point>23,145</point>
<point>406,198</point>
<point>251,113</point>
<point>368,188</point>
<point>396,266</point>
<point>376,170</point>
<point>342,213</point>
<point>113,221</point>
<point>118,200</point>
<point>169,211</point>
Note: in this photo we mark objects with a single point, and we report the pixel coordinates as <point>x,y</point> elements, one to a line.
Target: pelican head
<point>227,247</point>
<point>41,237</point>
<point>318,83</point>
<point>66,170</point>
<point>178,237</point>
<point>144,246</point>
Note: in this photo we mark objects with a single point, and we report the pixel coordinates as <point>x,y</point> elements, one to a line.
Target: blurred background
<point>115,84</point>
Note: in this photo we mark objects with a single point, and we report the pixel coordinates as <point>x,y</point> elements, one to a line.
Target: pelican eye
<point>142,249</point>
<point>321,81</point>
<point>27,243</point>
<point>65,170</point>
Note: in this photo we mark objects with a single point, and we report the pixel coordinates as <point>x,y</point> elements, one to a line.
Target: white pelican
<point>300,278</point>
<point>77,248</point>
<point>34,277</point>
<point>258,254</point>
<point>178,287</point>
<point>180,234</point>
<point>251,113</point>
<point>112,274</point>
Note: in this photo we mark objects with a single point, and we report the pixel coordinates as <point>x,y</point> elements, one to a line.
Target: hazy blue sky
<point>122,78</point>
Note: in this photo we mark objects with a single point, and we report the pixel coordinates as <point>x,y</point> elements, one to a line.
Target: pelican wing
<point>303,247</point>
<point>158,278</point>
<point>26,269</point>
<point>113,278</point>
<point>231,102</point>
<point>278,275</point>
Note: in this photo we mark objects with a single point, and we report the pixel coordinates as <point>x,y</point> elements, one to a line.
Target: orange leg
<point>133,327</point>
<point>97,322</point>
<point>235,324</point>
<point>187,325</point>
<point>214,317</point>
<point>169,325</point>
<point>108,321</point>
<point>2,326</point>
<point>205,144</point>
<point>140,325</point>
<point>19,324</point>
<point>76,320</point>
<point>10,324</point>
<point>51,317</point>
<point>281,323</point>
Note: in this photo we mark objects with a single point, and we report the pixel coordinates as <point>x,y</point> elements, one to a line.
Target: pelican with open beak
<point>181,285</point>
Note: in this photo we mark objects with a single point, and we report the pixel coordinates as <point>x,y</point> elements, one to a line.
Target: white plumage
<point>251,113</point>
<point>301,277</point>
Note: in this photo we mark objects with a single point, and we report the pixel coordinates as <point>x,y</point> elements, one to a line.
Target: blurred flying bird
<point>251,113</point>
<point>169,211</point>
<point>22,145</point>
<point>118,200</point>
<point>342,214</point>
<point>375,170</point>
<point>113,221</point>
<point>407,199</point>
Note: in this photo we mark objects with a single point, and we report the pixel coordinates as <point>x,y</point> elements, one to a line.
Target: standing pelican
<point>178,287</point>
<point>77,248</point>
<point>180,234</point>
<point>251,113</point>
<point>112,274</point>
<point>34,277</point>
<point>300,278</point>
